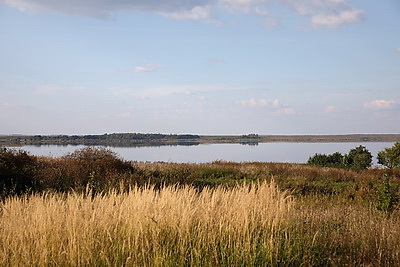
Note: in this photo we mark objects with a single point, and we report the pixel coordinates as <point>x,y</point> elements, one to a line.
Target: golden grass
<point>173,226</point>
<point>335,233</point>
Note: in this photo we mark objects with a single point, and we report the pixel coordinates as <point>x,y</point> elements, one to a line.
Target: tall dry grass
<point>172,226</point>
<point>334,233</point>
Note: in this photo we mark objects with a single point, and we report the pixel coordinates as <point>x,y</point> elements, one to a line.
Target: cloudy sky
<point>199,66</point>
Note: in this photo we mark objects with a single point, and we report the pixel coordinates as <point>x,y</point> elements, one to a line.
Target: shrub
<point>16,171</point>
<point>387,196</point>
<point>96,167</point>
<point>358,158</point>
<point>332,160</point>
<point>98,159</point>
<point>390,157</point>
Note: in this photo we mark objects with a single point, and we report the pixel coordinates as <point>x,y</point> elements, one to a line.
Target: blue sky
<point>201,66</point>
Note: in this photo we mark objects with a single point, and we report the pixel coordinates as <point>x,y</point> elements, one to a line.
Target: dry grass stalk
<point>144,227</point>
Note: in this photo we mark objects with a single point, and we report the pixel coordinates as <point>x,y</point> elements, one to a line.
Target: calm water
<point>270,152</point>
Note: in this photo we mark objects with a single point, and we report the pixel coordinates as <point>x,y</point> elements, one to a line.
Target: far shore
<point>140,139</point>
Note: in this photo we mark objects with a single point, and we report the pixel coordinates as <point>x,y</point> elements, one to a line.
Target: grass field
<point>245,225</point>
<point>100,211</point>
<point>172,226</point>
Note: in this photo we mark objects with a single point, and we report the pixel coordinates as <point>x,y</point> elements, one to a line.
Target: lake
<point>263,152</point>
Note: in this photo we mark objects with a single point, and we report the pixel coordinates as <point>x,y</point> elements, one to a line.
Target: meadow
<point>92,208</point>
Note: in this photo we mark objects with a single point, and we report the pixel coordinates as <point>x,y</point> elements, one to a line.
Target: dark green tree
<point>331,160</point>
<point>336,159</point>
<point>390,157</point>
<point>318,160</point>
<point>358,158</point>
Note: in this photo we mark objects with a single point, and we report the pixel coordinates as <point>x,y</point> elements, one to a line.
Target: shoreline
<point>135,139</point>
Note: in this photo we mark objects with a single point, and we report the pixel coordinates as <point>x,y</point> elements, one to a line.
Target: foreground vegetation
<point>92,208</point>
<point>146,227</point>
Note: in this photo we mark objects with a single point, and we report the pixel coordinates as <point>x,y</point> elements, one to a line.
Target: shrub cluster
<point>16,171</point>
<point>100,169</point>
<point>357,159</point>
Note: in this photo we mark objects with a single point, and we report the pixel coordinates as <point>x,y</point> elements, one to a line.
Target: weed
<point>387,196</point>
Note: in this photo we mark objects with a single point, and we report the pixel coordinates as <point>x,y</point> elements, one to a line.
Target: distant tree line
<point>250,136</point>
<point>116,136</point>
<point>115,139</point>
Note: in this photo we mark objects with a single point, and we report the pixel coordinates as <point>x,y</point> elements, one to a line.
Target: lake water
<point>263,152</point>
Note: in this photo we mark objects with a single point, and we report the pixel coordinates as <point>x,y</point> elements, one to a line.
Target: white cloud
<point>148,67</point>
<point>159,91</point>
<point>259,103</point>
<point>254,7</point>
<point>196,13</point>
<point>336,20</point>
<point>380,104</point>
<point>313,7</point>
<point>275,107</point>
<point>244,6</point>
<point>103,8</point>
<point>323,13</point>
<point>284,111</point>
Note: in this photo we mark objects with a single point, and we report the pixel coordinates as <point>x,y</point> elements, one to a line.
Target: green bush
<point>358,158</point>
<point>390,157</point>
<point>332,160</point>
<point>387,196</point>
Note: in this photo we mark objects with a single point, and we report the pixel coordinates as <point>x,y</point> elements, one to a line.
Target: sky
<point>211,67</point>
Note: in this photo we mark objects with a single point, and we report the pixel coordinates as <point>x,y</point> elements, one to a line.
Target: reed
<point>171,226</point>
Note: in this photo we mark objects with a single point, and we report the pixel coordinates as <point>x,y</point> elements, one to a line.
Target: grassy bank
<point>92,208</point>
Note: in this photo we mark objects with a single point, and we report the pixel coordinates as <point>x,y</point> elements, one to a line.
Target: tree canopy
<point>390,157</point>
<point>358,158</point>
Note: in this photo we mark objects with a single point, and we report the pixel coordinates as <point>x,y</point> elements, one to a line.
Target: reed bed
<point>145,226</point>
